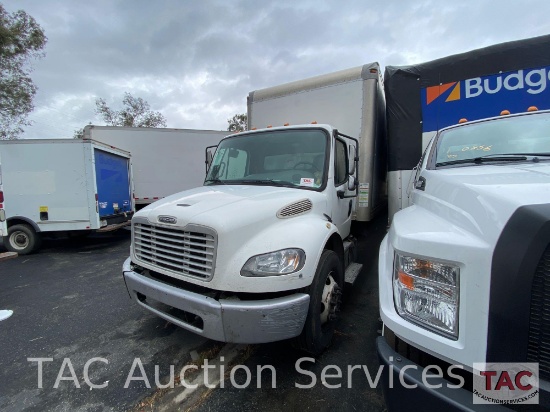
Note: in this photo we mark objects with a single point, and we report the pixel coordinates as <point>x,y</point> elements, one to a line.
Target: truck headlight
<point>281,262</point>
<point>426,292</point>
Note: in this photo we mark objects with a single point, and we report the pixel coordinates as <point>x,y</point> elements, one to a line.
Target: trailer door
<point>113,183</point>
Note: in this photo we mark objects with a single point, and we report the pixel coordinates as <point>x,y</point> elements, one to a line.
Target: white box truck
<point>62,185</point>
<point>164,161</point>
<point>463,272</point>
<point>261,251</point>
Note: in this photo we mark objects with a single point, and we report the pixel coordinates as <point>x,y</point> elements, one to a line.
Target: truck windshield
<point>517,138</point>
<point>291,158</point>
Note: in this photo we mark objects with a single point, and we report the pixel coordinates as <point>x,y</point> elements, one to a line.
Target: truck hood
<point>231,206</point>
<point>482,198</point>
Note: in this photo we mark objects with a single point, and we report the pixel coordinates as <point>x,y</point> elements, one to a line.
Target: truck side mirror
<point>209,152</point>
<point>351,164</point>
<point>352,183</point>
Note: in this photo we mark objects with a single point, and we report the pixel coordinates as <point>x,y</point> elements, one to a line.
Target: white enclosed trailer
<point>261,251</point>
<point>164,161</point>
<point>62,185</point>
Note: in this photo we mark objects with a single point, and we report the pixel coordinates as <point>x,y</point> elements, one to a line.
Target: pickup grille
<point>539,321</point>
<point>182,252</point>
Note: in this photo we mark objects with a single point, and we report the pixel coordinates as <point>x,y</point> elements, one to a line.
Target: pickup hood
<point>482,198</point>
<point>226,207</point>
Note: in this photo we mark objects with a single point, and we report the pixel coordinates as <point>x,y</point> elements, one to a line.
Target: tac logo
<point>506,383</point>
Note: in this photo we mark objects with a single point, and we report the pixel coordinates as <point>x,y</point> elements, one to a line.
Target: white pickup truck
<point>463,272</point>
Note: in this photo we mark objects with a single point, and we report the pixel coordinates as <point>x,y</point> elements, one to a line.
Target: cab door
<point>344,191</point>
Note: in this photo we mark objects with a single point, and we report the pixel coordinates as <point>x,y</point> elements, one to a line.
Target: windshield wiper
<point>215,181</point>
<point>485,159</point>
<point>547,154</point>
<point>264,181</point>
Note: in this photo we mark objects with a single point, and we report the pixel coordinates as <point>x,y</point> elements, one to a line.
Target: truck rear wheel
<point>325,294</point>
<point>22,239</point>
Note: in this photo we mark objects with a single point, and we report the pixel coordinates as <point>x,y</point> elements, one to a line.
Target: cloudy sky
<point>196,61</point>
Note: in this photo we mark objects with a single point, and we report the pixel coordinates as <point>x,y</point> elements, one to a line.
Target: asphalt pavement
<point>69,302</point>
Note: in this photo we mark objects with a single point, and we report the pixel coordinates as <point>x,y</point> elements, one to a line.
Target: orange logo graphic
<point>433,92</point>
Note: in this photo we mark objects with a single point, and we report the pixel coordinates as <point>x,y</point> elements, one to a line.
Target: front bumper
<point>423,397</point>
<point>251,321</point>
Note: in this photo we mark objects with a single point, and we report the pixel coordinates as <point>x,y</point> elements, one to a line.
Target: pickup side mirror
<point>420,184</point>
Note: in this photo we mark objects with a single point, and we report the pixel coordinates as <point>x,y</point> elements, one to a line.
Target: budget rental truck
<point>61,185</point>
<point>164,161</point>
<point>261,251</point>
<point>464,278</point>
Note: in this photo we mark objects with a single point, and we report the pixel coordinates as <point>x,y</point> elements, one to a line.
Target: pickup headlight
<point>426,292</point>
<point>281,262</point>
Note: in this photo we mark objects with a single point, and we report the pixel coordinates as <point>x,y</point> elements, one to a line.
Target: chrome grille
<point>187,251</point>
<point>295,209</point>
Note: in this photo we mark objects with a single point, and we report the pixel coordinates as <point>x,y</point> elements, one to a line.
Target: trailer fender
<point>21,219</point>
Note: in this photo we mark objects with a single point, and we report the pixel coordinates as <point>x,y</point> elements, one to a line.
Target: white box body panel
<point>164,161</point>
<point>352,102</point>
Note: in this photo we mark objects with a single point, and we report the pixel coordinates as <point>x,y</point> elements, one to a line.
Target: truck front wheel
<point>325,294</point>
<point>22,239</point>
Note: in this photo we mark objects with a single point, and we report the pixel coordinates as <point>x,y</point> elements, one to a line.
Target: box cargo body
<point>164,161</point>
<point>349,100</point>
<point>65,185</point>
<point>424,98</point>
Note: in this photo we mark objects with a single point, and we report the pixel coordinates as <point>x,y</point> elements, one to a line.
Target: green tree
<point>79,133</point>
<point>135,113</point>
<point>21,40</point>
<point>238,123</point>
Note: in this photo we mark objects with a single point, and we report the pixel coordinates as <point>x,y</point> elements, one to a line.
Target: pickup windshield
<point>290,158</point>
<point>502,140</point>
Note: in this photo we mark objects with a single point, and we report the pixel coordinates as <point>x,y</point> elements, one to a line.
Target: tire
<point>325,295</point>
<point>22,239</point>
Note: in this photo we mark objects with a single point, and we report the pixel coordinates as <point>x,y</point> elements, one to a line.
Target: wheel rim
<point>19,240</point>
<point>330,300</point>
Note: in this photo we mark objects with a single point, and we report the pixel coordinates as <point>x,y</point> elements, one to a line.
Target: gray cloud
<point>197,61</point>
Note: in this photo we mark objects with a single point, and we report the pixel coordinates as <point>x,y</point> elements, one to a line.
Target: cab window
<point>340,163</point>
